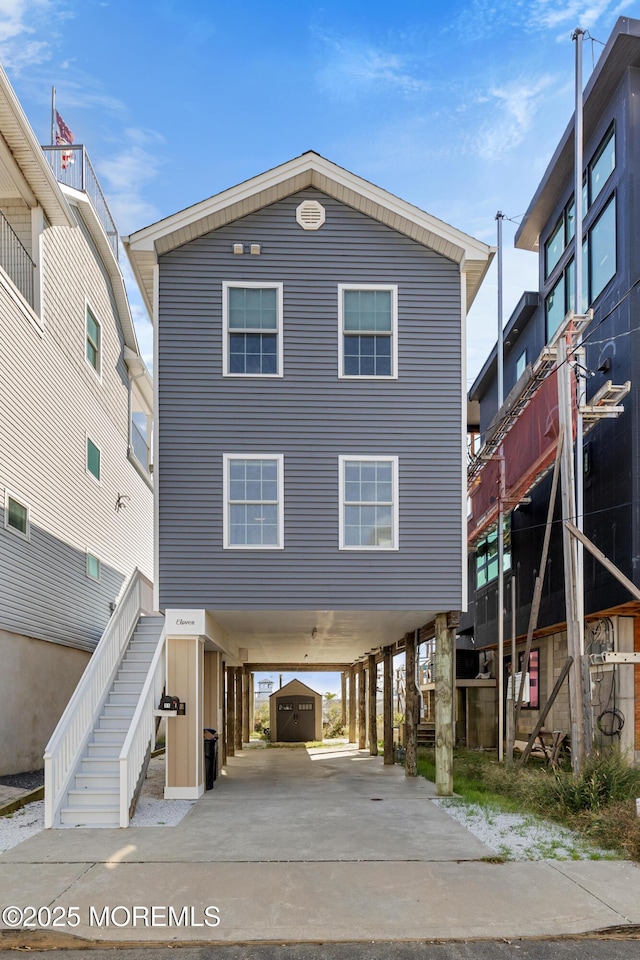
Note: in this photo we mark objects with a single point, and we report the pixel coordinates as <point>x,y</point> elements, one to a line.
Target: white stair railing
<point>141,731</point>
<point>69,739</point>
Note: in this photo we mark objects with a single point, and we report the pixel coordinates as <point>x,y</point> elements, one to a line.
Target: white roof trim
<point>308,170</point>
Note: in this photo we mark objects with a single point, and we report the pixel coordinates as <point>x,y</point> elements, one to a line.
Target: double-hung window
<point>252,340</point>
<point>253,501</point>
<point>368,503</point>
<point>368,318</point>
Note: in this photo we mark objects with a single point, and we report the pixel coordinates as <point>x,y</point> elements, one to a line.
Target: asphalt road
<point>625,946</point>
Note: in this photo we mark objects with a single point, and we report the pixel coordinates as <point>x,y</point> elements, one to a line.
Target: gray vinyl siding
<point>50,400</point>
<point>311,417</point>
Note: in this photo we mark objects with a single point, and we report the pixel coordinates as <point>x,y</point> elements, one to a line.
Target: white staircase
<point>93,798</point>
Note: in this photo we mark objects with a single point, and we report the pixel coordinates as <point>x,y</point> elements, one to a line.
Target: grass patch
<point>599,804</point>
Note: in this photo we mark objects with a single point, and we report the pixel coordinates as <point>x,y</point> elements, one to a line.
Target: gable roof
<point>308,170</point>
<point>295,685</point>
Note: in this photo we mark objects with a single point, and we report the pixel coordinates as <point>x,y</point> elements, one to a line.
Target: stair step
<point>94,797</point>
<point>113,723</point>
<point>124,699</point>
<point>101,765</point>
<point>105,749</point>
<point>104,816</point>
<point>127,686</point>
<point>102,736</point>
<point>125,710</point>
<point>131,674</point>
<point>97,781</point>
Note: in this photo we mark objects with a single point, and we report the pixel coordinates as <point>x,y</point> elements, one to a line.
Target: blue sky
<point>454,106</point>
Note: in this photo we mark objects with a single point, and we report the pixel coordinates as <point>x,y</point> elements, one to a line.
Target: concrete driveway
<point>318,845</point>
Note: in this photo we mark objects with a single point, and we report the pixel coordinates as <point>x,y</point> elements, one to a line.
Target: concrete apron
<point>319,845</point>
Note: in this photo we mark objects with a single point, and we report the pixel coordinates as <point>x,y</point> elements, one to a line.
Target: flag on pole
<point>64,136</point>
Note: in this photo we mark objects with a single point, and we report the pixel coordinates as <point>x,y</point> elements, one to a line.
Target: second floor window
<point>368,331</point>
<point>487,555</point>
<point>252,329</point>
<point>93,459</point>
<point>93,341</point>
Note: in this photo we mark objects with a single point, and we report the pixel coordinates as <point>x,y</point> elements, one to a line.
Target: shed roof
<point>307,170</point>
<point>292,687</point>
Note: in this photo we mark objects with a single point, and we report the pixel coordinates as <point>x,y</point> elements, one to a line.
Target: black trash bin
<point>210,756</point>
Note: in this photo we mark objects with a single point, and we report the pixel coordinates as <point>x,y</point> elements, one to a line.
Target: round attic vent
<point>310,215</point>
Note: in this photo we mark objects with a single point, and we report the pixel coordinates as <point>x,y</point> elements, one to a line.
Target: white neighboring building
<point>76,490</point>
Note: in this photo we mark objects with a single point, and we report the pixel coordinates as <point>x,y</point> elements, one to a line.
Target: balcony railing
<point>15,260</point>
<point>74,169</point>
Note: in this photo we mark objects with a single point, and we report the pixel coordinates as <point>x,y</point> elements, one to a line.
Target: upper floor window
<point>93,459</point>
<point>253,501</point>
<point>554,247</point>
<point>252,341</point>
<point>368,503</point>
<point>487,555</point>
<point>602,250</point>
<point>521,364</point>
<point>16,516</point>
<point>368,318</point>
<point>93,566</point>
<point>93,337</point>
<point>602,166</point>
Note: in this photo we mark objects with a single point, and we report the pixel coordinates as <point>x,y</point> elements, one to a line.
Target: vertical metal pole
<point>578,36</point>
<point>511,704</point>
<point>500,602</point>
<point>53,116</point>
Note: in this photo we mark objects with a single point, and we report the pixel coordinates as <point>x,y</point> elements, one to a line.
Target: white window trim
<point>90,553</point>
<point>259,285</point>
<point>95,479</point>
<point>88,306</point>
<point>395,509</point>
<point>393,288</point>
<point>14,496</point>
<point>226,460</point>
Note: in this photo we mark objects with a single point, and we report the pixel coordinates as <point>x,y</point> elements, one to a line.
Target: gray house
<point>75,408</point>
<point>310,378</point>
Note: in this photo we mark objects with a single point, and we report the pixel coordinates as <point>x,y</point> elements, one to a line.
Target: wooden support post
<point>252,700</point>
<point>445,656</point>
<point>362,709</point>
<point>246,708</point>
<point>352,704</point>
<point>543,715</point>
<point>231,711</point>
<point>238,699</point>
<point>343,695</point>
<point>388,705</point>
<point>411,709</point>
<point>372,678</point>
<point>537,590</point>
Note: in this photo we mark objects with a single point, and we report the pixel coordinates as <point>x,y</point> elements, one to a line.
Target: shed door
<point>296,720</point>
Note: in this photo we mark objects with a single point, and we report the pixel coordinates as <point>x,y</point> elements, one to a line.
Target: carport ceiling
<point>320,636</point>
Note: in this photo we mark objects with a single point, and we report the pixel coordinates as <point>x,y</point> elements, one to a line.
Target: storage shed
<point>295,713</point>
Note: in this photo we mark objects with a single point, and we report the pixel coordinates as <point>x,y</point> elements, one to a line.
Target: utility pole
<point>500,602</point>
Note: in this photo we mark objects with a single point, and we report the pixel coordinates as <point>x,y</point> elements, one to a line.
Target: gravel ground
<point>517,836</point>
<point>25,781</point>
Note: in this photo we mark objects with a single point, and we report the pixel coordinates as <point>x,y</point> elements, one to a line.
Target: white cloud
<point>353,68</point>
<point>127,173</point>
<point>513,107</point>
<point>20,21</point>
<point>575,13</point>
